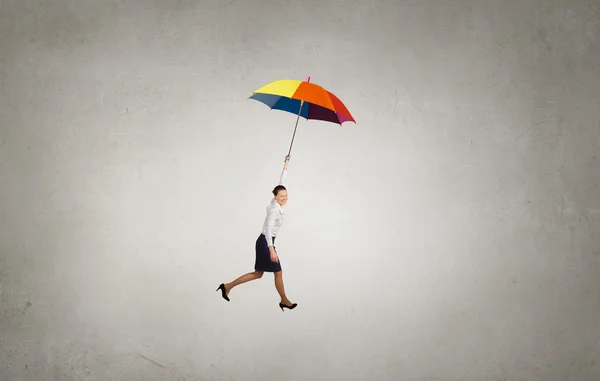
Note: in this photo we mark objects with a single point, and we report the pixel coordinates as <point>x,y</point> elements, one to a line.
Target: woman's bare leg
<point>243,279</point>
<point>281,289</point>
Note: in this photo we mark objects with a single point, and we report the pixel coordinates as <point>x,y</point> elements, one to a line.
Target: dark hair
<point>277,189</point>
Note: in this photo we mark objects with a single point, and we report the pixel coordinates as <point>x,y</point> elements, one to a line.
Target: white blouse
<point>274,218</point>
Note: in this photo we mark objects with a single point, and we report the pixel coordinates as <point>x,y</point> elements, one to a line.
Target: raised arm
<point>284,171</point>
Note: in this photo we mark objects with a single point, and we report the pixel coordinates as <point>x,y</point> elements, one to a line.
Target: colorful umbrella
<point>304,99</point>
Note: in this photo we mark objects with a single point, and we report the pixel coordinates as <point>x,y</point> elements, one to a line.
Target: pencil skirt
<point>263,256</point>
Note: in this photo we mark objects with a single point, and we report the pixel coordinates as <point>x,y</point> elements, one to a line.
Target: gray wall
<point>451,234</point>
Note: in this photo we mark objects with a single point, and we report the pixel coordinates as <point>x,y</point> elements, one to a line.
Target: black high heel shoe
<point>223,294</point>
<point>281,305</point>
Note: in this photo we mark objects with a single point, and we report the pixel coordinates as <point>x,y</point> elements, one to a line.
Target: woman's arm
<point>284,171</point>
<point>269,225</point>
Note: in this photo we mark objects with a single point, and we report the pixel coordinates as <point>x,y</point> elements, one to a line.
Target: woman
<point>266,254</point>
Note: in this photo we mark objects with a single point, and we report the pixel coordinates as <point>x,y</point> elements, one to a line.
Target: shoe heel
<point>222,288</point>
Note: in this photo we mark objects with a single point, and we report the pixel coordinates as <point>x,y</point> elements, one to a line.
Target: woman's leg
<point>243,279</point>
<point>280,288</point>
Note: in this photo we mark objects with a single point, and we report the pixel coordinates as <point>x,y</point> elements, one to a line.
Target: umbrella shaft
<point>297,119</point>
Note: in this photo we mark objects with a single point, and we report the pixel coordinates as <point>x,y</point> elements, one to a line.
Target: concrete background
<point>453,233</point>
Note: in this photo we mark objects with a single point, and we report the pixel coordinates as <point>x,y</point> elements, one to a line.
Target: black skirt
<point>263,256</point>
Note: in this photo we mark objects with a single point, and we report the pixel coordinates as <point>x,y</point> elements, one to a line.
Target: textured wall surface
<point>453,233</point>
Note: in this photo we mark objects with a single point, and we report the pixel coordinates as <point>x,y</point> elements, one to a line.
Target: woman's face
<point>281,197</point>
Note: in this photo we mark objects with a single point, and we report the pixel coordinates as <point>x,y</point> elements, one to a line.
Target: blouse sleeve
<point>270,224</point>
<point>283,175</point>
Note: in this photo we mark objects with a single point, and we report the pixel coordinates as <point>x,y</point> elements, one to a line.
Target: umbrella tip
<point>307,79</point>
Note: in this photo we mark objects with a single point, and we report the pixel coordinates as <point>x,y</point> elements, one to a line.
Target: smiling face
<point>281,197</point>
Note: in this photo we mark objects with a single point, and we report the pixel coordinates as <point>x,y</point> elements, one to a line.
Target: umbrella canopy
<point>305,99</point>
